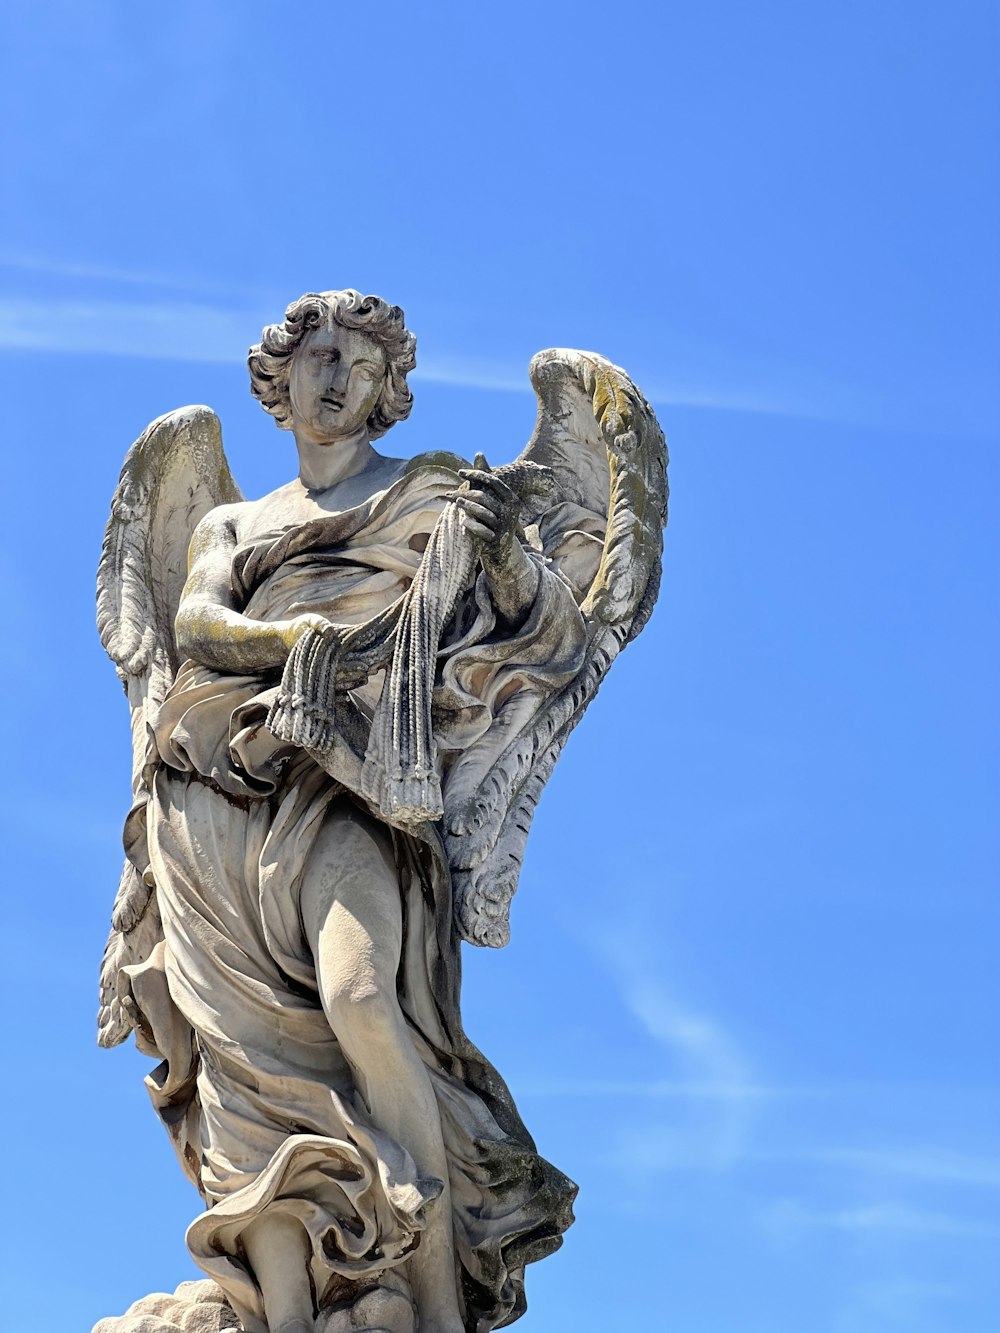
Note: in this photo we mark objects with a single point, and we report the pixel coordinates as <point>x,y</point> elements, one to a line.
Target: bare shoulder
<point>218,527</point>
<point>276,509</point>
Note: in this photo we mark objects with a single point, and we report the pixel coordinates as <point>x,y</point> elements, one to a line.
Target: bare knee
<point>352,915</point>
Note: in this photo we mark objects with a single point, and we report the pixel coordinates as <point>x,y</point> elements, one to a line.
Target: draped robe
<point>253,1088</point>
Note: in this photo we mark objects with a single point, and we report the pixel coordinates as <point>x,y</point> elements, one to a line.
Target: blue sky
<point>750,1003</point>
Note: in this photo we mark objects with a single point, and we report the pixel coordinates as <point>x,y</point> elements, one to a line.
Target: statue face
<point>335,381</point>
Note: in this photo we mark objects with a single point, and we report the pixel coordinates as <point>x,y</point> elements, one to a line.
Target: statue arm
<point>208,628</point>
<point>491,511</point>
<point>513,581</point>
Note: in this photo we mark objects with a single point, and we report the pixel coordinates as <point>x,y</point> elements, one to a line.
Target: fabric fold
<point>254,1088</point>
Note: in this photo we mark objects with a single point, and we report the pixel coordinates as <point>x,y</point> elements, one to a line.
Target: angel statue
<point>346,698</point>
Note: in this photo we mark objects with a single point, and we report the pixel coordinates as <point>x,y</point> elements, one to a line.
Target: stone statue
<point>346,698</point>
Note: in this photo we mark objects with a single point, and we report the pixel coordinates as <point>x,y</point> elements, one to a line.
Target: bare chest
<point>292,506</point>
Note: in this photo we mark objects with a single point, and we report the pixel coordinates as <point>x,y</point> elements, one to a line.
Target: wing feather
<point>172,476</point>
<point>601,439</point>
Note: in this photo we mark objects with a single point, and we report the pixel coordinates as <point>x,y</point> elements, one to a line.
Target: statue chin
<point>343,716</point>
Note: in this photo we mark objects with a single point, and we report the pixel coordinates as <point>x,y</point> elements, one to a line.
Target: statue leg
<point>352,914</point>
<point>278,1250</point>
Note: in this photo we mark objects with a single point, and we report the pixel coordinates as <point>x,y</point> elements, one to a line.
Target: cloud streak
<point>648,1090</point>
<point>184,331</point>
<point>705,1052</point>
<point>707,1079</point>
<point>706,376</point>
<point>790,1216</point>
<point>153,330</point>
<point>166,330</point>
<point>928,1165</point>
<point>106,273</point>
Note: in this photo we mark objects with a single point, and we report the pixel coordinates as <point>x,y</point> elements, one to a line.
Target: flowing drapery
<point>253,1088</point>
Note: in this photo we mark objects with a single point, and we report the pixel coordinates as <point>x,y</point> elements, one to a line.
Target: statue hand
<point>351,672</point>
<point>491,510</point>
<point>292,630</point>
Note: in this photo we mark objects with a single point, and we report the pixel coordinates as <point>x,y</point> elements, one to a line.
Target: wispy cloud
<point>698,1041</point>
<point>162,329</point>
<point>925,1164</point>
<point>895,1299</point>
<point>185,331</point>
<point>159,328</point>
<point>790,1217</point>
<point>473,375</point>
<point>700,375</point>
<point>706,1079</point>
<point>705,1052</point>
<point>768,402</point>
<point>45,266</point>
<point>113,319</point>
<point>900,1218</point>
<point>652,1089</point>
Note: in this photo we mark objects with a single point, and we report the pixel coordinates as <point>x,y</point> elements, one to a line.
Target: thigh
<point>351,906</point>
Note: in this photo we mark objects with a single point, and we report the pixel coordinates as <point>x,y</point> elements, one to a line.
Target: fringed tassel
<point>322,663</point>
<point>400,776</point>
<point>304,712</point>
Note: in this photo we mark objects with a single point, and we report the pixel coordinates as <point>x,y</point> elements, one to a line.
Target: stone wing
<point>172,476</point>
<point>600,438</point>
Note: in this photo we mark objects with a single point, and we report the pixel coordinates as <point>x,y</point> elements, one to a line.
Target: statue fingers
<point>489,483</point>
<point>479,530</point>
<point>478,527</point>
<point>483,500</point>
<point>473,500</point>
<point>483,514</point>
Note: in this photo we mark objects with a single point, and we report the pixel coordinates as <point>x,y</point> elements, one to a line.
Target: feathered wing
<point>172,476</point>
<point>600,438</point>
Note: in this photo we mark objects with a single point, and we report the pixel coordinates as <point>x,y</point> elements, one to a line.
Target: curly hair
<point>270,360</point>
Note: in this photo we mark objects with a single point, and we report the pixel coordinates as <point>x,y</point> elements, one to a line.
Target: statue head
<point>336,355</point>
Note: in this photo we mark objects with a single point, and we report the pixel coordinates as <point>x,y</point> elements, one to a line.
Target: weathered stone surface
<point>200,1307</point>
<point>346,699</point>
<point>195,1307</point>
<point>384,1307</point>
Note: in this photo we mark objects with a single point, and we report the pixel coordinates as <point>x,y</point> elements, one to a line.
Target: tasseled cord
<point>304,713</point>
<point>400,777</point>
<point>321,664</point>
